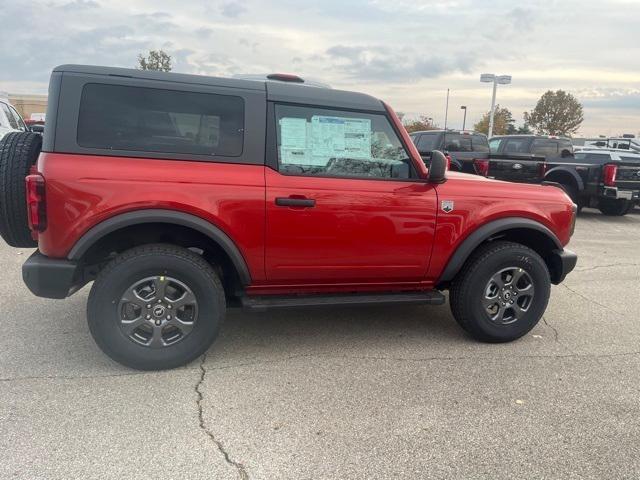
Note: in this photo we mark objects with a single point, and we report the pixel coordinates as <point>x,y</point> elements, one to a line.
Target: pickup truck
<point>469,153</point>
<point>605,179</point>
<point>178,196</point>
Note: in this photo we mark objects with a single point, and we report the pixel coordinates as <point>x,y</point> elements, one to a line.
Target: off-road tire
<point>468,288</point>
<point>615,208</point>
<point>148,260</point>
<point>18,152</point>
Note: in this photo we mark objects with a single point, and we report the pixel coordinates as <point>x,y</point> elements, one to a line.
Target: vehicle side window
<point>155,120</point>
<point>454,142</point>
<point>516,145</point>
<point>19,121</point>
<point>494,145</point>
<point>427,142</point>
<point>544,147</point>
<point>322,142</point>
<point>630,159</point>
<point>479,143</point>
<point>566,148</point>
<point>13,123</point>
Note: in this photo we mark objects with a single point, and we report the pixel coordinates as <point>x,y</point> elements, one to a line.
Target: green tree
<point>503,122</point>
<point>556,113</point>
<point>155,60</point>
<point>417,124</point>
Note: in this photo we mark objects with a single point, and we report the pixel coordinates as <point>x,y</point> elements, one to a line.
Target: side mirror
<point>36,128</point>
<point>437,167</point>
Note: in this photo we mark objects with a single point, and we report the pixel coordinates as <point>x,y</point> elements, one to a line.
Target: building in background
<point>27,104</point>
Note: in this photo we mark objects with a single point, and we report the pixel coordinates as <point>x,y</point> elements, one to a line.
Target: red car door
<point>344,205</point>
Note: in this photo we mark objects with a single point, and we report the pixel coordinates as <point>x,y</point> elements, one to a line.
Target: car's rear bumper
<point>619,193</point>
<point>562,263</point>
<point>50,277</point>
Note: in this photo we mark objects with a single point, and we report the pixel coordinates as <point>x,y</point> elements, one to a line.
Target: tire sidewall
<point>103,315</point>
<point>479,278</point>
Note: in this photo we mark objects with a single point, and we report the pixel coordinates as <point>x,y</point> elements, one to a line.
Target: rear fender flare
<point>163,216</point>
<point>485,232</point>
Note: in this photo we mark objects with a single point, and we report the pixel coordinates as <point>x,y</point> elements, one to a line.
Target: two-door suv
<point>180,195</point>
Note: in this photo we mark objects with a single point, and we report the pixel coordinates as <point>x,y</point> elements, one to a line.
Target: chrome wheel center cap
<point>158,311</point>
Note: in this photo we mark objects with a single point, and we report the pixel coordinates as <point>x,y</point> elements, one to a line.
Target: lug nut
<point>148,317</point>
<point>169,307</point>
<point>148,306</point>
<point>159,301</point>
<point>168,317</point>
<point>158,323</point>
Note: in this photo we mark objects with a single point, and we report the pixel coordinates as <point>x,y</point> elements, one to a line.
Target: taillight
<point>542,169</point>
<point>448,157</point>
<point>482,166</point>
<point>36,207</point>
<point>609,173</point>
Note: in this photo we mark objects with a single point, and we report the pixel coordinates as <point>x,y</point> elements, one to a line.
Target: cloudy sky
<point>405,52</point>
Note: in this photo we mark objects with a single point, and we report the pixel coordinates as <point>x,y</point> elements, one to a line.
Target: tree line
<point>556,113</point>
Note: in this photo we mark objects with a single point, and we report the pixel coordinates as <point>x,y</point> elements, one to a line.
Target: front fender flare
<point>485,232</point>
<point>163,216</point>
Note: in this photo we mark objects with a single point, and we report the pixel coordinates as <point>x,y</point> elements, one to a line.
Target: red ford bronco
<point>181,195</point>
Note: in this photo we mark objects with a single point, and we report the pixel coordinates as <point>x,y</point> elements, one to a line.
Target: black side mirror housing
<point>437,167</point>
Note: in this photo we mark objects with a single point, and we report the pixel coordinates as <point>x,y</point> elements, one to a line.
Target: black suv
<point>462,146</point>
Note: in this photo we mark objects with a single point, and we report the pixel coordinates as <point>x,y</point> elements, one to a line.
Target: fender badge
<point>447,206</point>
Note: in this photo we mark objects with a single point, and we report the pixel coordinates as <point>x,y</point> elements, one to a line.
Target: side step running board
<point>266,302</point>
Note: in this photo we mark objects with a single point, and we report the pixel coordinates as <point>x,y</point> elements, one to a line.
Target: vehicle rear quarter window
<point>479,143</point>
<point>314,141</point>
<point>427,142</point>
<point>118,117</point>
<point>456,142</point>
<point>544,147</point>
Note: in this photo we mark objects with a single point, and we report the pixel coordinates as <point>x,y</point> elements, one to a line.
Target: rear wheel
<point>616,207</point>
<point>156,307</point>
<point>501,292</point>
<point>18,152</point>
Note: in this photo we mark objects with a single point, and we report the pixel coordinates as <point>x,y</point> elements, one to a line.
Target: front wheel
<point>501,292</point>
<point>156,307</point>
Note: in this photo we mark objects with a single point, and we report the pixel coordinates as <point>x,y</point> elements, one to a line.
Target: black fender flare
<point>572,173</point>
<point>485,232</point>
<point>163,216</point>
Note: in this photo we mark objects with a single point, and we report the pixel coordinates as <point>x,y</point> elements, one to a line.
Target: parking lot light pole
<point>464,120</point>
<point>496,79</point>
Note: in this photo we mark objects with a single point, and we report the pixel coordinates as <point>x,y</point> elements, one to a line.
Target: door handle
<point>295,202</point>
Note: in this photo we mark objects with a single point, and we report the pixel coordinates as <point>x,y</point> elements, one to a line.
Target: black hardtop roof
<point>275,90</point>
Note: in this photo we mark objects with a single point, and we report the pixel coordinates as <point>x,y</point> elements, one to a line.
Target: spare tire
<point>18,152</point>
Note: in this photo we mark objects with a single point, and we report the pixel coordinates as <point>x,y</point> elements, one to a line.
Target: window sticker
<point>293,140</point>
<point>336,137</point>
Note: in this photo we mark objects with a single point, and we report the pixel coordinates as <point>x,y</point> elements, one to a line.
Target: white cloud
<point>407,52</point>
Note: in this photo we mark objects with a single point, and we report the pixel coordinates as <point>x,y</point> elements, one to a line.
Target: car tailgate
<point>628,175</point>
<point>517,168</point>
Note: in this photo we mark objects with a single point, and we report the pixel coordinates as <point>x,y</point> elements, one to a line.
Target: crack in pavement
<point>555,331</point>
<point>590,300</point>
<point>611,265</point>
<point>242,472</point>
<point>335,357</point>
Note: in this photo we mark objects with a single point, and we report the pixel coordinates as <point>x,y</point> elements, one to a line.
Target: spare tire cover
<point>18,152</point>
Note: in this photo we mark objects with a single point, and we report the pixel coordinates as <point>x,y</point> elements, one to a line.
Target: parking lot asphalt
<point>394,392</point>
